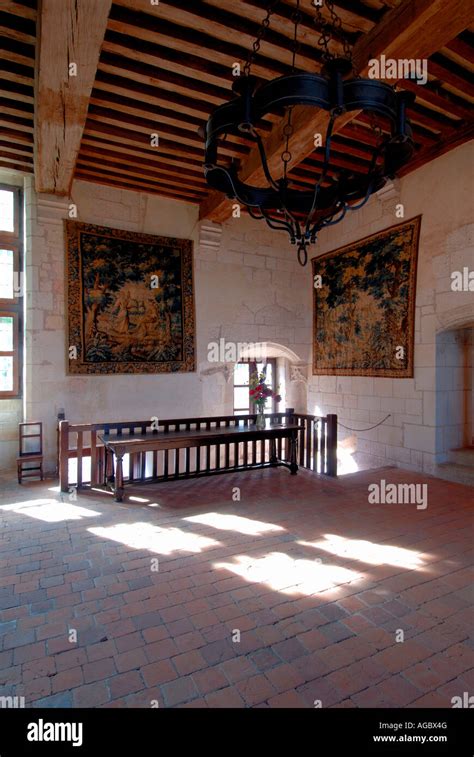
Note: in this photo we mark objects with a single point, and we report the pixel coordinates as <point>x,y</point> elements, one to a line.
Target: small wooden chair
<point>31,450</point>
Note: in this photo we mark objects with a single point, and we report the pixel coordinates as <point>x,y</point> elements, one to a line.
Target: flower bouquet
<point>259,393</point>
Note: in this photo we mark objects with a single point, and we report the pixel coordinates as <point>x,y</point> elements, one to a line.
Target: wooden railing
<point>317,447</point>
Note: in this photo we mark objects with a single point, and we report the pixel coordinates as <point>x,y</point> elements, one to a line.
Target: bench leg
<point>273,452</point>
<point>118,488</point>
<point>293,456</point>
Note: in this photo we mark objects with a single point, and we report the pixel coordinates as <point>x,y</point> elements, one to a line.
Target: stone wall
<point>441,192</point>
<point>248,288</point>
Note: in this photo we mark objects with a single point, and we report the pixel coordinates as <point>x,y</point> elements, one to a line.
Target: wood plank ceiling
<point>17,68</point>
<point>163,68</point>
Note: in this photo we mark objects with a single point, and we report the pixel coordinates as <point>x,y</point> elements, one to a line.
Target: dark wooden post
<point>94,464</point>
<point>293,453</point>
<point>118,481</point>
<point>332,445</point>
<point>64,456</point>
<point>290,419</point>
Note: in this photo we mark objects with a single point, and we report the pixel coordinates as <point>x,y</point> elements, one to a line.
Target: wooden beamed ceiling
<point>17,74</point>
<point>160,69</point>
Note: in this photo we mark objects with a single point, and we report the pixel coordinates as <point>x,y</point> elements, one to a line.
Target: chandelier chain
<point>271,7</point>
<point>330,29</point>
<point>295,45</point>
<point>288,128</point>
<point>336,26</point>
<point>323,27</point>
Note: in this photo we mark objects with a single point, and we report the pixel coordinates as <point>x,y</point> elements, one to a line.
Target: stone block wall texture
<point>442,192</point>
<point>250,288</point>
<point>247,289</point>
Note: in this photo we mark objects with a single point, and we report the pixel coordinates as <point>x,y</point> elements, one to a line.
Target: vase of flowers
<point>259,393</point>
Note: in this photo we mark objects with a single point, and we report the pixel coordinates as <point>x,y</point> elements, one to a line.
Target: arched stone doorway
<point>292,376</point>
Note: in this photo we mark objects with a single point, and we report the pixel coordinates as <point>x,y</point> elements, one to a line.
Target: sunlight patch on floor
<point>288,575</point>
<point>162,541</point>
<point>50,510</point>
<point>234,523</point>
<point>345,462</point>
<point>367,551</point>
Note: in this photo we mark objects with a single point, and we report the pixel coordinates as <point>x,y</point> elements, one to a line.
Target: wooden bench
<point>80,443</point>
<point>119,446</point>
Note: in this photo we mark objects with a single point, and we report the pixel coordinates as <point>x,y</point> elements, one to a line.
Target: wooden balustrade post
<point>94,464</point>
<point>331,445</point>
<point>290,419</point>
<point>64,456</point>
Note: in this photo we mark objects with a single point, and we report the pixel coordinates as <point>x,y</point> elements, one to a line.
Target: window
<point>243,373</point>
<point>241,389</point>
<point>11,293</point>
<point>8,217</point>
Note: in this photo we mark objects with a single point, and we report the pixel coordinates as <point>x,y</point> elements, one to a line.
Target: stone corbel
<point>390,191</point>
<point>210,236</point>
<point>299,373</point>
<point>51,209</point>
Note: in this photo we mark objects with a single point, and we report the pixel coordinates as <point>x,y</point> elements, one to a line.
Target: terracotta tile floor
<point>295,596</point>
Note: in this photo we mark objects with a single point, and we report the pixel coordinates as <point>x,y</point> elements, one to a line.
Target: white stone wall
<point>248,288</point>
<point>442,191</point>
<point>10,417</point>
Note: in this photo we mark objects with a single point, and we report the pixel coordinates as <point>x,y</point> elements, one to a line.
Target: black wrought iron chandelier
<point>302,213</point>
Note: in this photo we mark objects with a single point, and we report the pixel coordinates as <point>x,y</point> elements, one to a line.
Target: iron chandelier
<point>303,212</point>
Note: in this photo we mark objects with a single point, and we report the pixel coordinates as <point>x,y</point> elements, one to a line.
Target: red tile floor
<point>298,595</point>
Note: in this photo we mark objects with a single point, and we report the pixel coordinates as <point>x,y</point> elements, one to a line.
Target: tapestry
<point>130,301</point>
<point>364,305</point>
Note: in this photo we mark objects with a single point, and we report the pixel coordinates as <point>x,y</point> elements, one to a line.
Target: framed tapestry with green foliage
<point>130,301</point>
<point>364,305</point>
